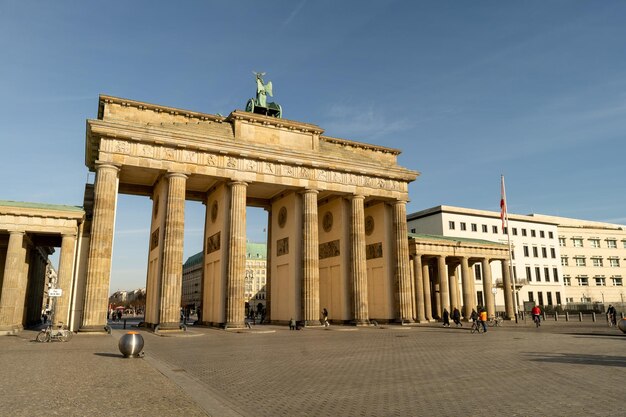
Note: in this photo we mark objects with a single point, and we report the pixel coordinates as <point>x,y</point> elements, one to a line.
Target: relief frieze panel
<point>213,243</point>
<point>282,246</point>
<point>329,249</point>
<point>373,251</point>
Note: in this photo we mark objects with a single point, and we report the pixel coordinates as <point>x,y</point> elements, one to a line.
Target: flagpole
<point>508,235</point>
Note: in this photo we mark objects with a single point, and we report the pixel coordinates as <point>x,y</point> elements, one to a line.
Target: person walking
<point>456,317</point>
<point>292,324</point>
<point>536,313</point>
<point>611,315</point>
<point>482,318</point>
<point>325,316</point>
<point>446,318</point>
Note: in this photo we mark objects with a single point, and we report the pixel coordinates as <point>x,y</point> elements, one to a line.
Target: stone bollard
<point>580,316</point>
<point>621,315</point>
<point>567,316</point>
<point>556,316</point>
<point>593,316</point>
<point>544,316</point>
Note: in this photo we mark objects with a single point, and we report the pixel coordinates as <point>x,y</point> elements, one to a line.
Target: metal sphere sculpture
<point>131,345</point>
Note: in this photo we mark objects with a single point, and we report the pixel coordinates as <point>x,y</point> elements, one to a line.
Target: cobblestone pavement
<point>574,369</point>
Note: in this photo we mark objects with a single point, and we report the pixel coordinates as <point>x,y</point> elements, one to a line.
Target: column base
<point>362,322</point>
<point>9,330</point>
<point>167,326</point>
<point>93,329</point>
<point>234,326</point>
<point>310,323</point>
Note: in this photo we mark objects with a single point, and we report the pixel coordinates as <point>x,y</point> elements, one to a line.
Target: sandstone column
<point>64,281</point>
<point>443,283</point>
<point>403,275</point>
<point>20,316</point>
<point>359,266</point>
<point>310,252</point>
<point>100,249</point>
<point>508,289</point>
<point>487,285</point>
<point>469,302</point>
<point>268,271</point>
<point>428,307</point>
<point>453,286</point>
<point>235,285</point>
<point>173,240</point>
<point>419,288</point>
<point>13,268</point>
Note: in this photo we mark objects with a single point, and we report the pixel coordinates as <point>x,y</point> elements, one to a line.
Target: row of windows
<point>544,252</point>
<point>538,274</point>
<point>577,242</point>
<point>531,297</point>
<point>595,261</point>
<point>600,281</point>
<point>494,229</point>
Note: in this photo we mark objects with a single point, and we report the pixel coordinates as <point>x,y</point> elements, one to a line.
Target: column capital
<point>357,197</point>
<point>67,235</point>
<point>106,165</point>
<point>310,191</point>
<point>237,182</point>
<point>398,202</point>
<point>17,232</point>
<point>173,174</point>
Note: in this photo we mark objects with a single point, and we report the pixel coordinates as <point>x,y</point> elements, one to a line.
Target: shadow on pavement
<point>110,355</point>
<point>579,359</point>
<point>597,334</point>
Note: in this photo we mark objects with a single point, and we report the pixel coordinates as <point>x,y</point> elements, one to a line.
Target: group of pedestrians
<point>481,317</point>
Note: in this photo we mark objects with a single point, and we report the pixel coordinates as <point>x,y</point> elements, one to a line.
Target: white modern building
<point>536,259</point>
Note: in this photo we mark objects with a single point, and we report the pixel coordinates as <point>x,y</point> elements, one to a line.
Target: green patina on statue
<point>259,105</point>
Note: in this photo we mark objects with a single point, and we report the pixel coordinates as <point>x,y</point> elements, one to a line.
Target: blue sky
<point>533,90</point>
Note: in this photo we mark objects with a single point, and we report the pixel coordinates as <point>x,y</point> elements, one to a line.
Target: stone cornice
<point>240,115</point>
<point>353,144</point>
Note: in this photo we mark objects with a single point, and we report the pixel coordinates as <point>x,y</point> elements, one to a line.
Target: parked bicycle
<point>476,327</point>
<point>58,332</point>
<point>495,321</point>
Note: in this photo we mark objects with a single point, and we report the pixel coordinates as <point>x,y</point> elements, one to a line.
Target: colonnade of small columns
<point>433,294</point>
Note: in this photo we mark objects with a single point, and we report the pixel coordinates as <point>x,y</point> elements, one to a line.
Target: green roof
<point>454,239</point>
<point>41,206</point>
<point>253,251</point>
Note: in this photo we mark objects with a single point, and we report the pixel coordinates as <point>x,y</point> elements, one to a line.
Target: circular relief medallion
<point>214,212</point>
<point>369,225</point>
<point>327,221</point>
<point>155,211</point>
<point>282,216</point>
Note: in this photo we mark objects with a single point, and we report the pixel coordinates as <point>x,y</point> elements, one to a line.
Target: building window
<point>463,226</point>
<point>617,281</point>
<point>540,297</point>
<point>494,229</point>
<point>553,253</point>
<point>544,252</point>
<point>474,227</point>
<point>451,225</point>
<point>624,242</point>
<point>564,261</point>
<point>595,243</point>
<point>542,234</point>
<point>549,295</point>
<point>583,281</point>
<point>614,262</point>
<point>551,235</point>
<point>580,261</point>
<point>515,231</point>
<point>538,274</point>
<point>484,228</point>
<point>561,241</point>
<point>555,274</point>
<point>546,272</point>
<point>477,272</point>
<point>530,296</point>
<point>535,252</point>
<point>567,281</point>
<point>528,276</point>
<point>611,243</point>
<point>558,297</point>
<point>525,250</point>
<point>569,299</point>
<point>577,242</point>
<point>533,233</point>
<point>514,272</point>
<point>597,261</point>
<point>505,230</point>
<point>600,281</point>
<point>523,232</point>
<point>412,230</point>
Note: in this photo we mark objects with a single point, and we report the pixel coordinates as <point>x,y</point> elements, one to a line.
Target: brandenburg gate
<point>337,234</point>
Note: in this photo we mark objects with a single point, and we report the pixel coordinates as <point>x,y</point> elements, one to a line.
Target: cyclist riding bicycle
<point>536,312</point>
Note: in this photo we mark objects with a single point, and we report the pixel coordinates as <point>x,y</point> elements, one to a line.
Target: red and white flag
<point>502,202</point>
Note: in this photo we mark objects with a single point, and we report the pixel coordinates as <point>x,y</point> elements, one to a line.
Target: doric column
<point>235,285</point>
<point>428,307</point>
<point>508,289</point>
<point>100,249</point>
<point>359,266</point>
<point>310,252</point>
<point>469,297</point>
<point>173,240</point>
<point>268,267</point>
<point>13,269</point>
<point>487,286</point>
<point>419,288</point>
<point>64,280</point>
<point>403,275</point>
<point>453,287</point>
<point>443,283</point>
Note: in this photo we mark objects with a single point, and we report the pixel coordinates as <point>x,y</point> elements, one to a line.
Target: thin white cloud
<point>294,13</point>
<point>364,122</point>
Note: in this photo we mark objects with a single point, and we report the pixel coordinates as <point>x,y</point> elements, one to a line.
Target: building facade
<point>536,259</point>
<point>192,282</point>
